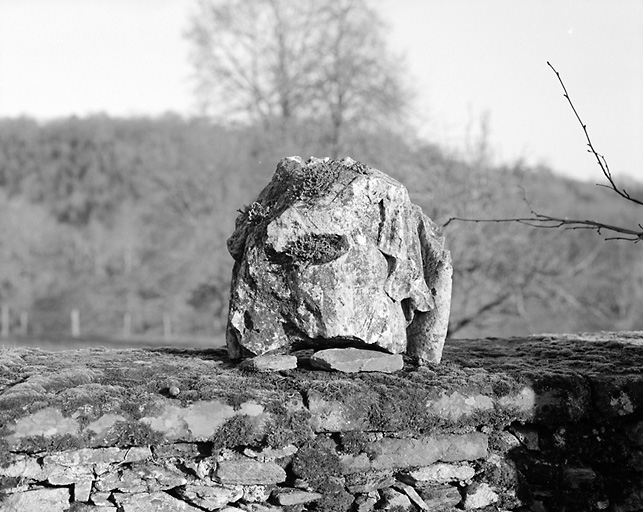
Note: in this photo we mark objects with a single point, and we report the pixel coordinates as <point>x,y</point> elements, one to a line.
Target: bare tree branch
<point>541,220</point>
<point>472,317</point>
<point>602,162</point>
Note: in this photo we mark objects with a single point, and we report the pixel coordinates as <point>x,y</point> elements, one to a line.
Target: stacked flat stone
<point>333,254</point>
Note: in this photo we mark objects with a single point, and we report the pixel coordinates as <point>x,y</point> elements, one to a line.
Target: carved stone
<point>334,254</point>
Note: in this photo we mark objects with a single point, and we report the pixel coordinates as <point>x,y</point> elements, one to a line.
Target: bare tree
<point>541,220</point>
<point>359,81</point>
<point>275,61</point>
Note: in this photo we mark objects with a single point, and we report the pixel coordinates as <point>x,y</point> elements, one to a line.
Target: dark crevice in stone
<point>247,321</point>
<point>382,209</point>
<point>408,309</point>
<point>304,397</point>
<point>391,262</point>
<point>311,249</point>
<point>306,345</point>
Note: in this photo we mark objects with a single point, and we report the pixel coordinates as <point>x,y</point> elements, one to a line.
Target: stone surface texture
<point>480,496</point>
<point>250,472</point>
<point>51,500</point>
<point>441,473</point>
<point>333,253</point>
<point>271,363</point>
<point>542,423</point>
<point>351,360</point>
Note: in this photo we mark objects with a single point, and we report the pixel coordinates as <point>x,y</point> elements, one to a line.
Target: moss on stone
<point>586,353</point>
<point>6,457</point>
<point>50,444</point>
<point>316,249</point>
<point>400,410</point>
<point>316,179</point>
<point>130,383</point>
<point>133,433</point>
<point>240,430</point>
<point>317,460</point>
<point>318,463</point>
<point>354,442</point>
<point>287,427</point>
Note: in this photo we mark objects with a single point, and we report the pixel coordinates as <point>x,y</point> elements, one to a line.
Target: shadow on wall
<point>582,449</point>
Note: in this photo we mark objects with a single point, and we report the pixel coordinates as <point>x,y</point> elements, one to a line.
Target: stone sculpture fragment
<point>334,254</point>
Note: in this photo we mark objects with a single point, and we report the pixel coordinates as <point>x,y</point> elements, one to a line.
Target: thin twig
<point>545,221</point>
<point>540,220</point>
<point>602,161</point>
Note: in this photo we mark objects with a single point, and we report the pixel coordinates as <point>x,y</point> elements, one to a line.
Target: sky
<point>467,60</point>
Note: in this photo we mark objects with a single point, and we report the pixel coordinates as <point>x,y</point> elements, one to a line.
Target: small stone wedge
<point>352,360</point>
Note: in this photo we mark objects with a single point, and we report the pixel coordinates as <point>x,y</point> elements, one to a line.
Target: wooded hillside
<point>126,220</point>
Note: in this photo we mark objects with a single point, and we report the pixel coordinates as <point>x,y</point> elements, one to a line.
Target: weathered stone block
<point>329,415</point>
<point>415,452</point>
<point>333,253</point>
<point>271,363</point>
<point>156,501</point>
<point>210,497</point>
<point>412,495</point>
<point>479,496</point>
<point>352,360</point>
<point>51,500</point>
<point>141,477</point>
<point>366,502</point>
<point>456,405</point>
<point>24,468</point>
<point>248,472</point>
<point>439,473</point>
<point>395,500</point>
<point>578,477</point>
<point>288,496</point>
<point>527,435</point>
<point>389,453</point>
<point>439,497</point>
<point>369,481</point>
<point>200,420</point>
<point>257,493</point>
<point>47,422</point>
<point>101,499</point>
<point>635,433</point>
<point>82,490</point>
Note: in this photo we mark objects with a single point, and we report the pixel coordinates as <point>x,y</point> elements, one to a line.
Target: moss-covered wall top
<point>544,423</point>
<point>99,397</point>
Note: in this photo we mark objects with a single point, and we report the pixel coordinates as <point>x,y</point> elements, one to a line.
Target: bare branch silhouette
<point>602,162</point>
<point>541,220</point>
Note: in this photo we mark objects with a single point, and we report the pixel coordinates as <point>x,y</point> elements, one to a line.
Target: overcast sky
<point>465,58</point>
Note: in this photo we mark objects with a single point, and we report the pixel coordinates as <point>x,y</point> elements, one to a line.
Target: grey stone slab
<point>249,472</point>
<point>271,363</point>
<point>352,360</point>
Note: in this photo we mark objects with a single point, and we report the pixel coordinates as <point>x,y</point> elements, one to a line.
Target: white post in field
<point>4,320</point>
<point>167,326</point>
<point>24,323</point>
<point>75,323</point>
<point>127,325</point>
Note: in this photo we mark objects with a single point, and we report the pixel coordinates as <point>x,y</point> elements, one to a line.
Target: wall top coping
<point>99,397</point>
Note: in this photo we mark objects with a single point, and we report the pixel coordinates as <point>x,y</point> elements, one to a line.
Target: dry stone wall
<point>545,423</point>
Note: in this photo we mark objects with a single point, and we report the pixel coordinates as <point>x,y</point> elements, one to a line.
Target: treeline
<point>126,220</point>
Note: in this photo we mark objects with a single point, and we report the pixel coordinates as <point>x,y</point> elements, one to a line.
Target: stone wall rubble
<point>488,429</point>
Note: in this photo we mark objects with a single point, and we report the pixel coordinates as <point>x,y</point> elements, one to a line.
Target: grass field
<point>70,343</point>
